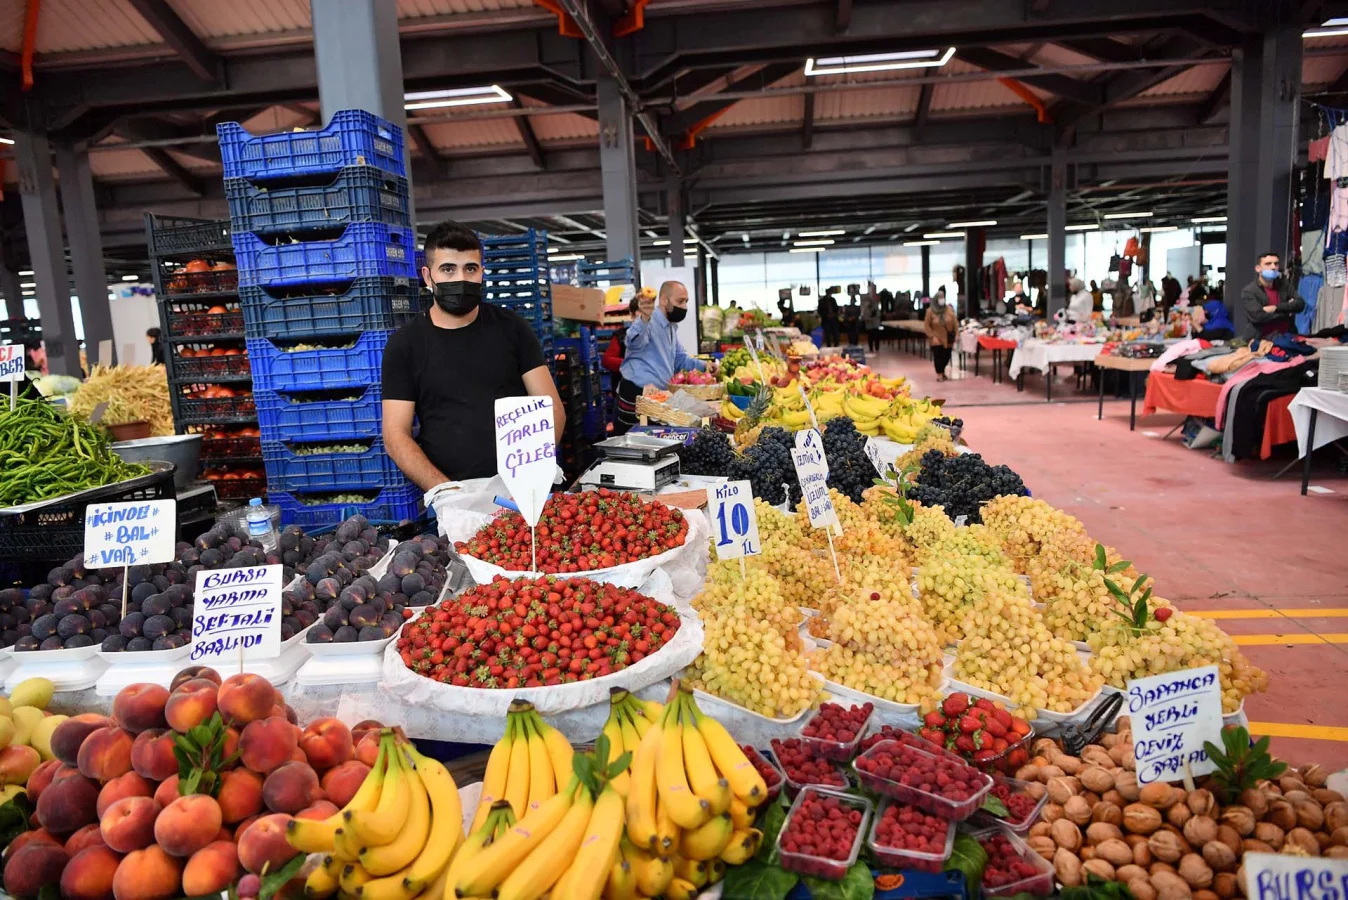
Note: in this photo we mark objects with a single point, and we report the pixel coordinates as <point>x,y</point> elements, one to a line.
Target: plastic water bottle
<point>260,527</point>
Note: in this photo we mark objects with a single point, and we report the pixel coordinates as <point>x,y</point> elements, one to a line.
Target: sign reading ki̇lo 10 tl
<point>1172,716</point>
<point>734,520</point>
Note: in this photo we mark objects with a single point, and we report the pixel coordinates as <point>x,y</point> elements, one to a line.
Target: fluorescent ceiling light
<point>1034,237</point>
<point>1328,28</point>
<point>690,240</point>
<point>920,243</point>
<point>1206,220</point>
<point>661,243</point>
<point>25,272</point>
<point>131,278</point>
<point>944,234</point>
<point>1160,228</point>
<point>975,224</point>
<point>878,62</point>
<point>912,227</point>
<point>817,242</point>
<point>1129,215</point>
<point>562,240</point>
<point>1091,227</point>
<point>5,140</point>
<point>566,257</point>
<point>806,250</point>
<point>455,97</point>
<point>868,230</point>
<point>744,236</point>
<point>28,284</point>
<point>831,233</point>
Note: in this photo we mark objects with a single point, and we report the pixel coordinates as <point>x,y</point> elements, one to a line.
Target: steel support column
<point>974,242</point>
<point>10,290</point>
<point>1279,104</point>
<point>674,201</point>
<point>1242,183</point>
<point>42,222</point>
<point>1057,231</point>
<point>86,246</point>
<point>926,272</point>
<point>618,166</point>
<point>715,281</point>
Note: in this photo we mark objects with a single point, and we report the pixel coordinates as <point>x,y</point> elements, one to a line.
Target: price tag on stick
<point>874,455</point>
<point>1279,876</point>
<point>809,407</point>
<point>134,533</point>
<point>812,470</point>
<point>753,354</point>
<point>11,369</point>
<point>526,456</point>
<point>1172,715</point>
<point>236,611</point>
<point>734,521</point>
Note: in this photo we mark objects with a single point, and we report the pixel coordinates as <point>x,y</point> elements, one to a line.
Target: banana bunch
<point>628,721</point>
<point>730,411</point>
<point>397,836</point>
<point>691,801</point>
<point>527,766</point>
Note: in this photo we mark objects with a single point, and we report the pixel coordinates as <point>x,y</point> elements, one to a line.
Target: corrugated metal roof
<point>1321,70</point>
<point>122,164</point>
<point>11,26</point>
<point>1055,55</point>
<point>212,18</point>
<point>886,102</point>
<point>973,95</point>
<point>76,25</point>
<point>409,9</point>
<point>278,118</point>
<point>768,110</point>
<point>1194,80</point>
<point>474,133</point>
<point>564,127</point>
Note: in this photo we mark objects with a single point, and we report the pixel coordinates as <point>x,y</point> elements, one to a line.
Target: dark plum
<point>371,633</point>
<point>345,635</point>
<point>335,618</point>
<point>44,626</point>
<point>157,627</point>
<point>52,643</point>
<point>390,583</point>
<point>156,605</point>
<point>78,640</point>
<point>305,618</point>
<point>210,558</point>
<point>404,563</point>
<point>327,590</point>
<point>99,634</point>
<point>131,625</point>
<point>138,644</point>
<point>112,613</point>
<point>160,583</point>
<point>319,634</point>
<point>27,642</point>
<point>72,625</point>
<point>142,592</point>
<point>363,615</point>
<point>182,618</point>
<point>412,584</point>
<point>114,643</point>
<point>286,632</point>
<point>66,607</point>
<point>420,599</point>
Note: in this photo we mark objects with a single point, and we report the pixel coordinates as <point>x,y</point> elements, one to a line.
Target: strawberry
<point>965,743</point>
<point>994,726</point>
<point>933,719</point>
<point>1002,716</point>
<point>984,755</point>
<point>970,724</point>
<point>955,704</point>
<point>932,735</point>
<point>985,703</point>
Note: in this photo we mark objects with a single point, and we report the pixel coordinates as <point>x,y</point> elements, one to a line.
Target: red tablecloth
<point>1198,397</point>
<point>987,342</point>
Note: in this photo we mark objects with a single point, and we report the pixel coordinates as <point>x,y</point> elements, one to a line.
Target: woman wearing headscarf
<point>1081,303</point>
<point>941,327</point>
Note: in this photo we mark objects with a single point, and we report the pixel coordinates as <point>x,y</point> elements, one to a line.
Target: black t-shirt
<point>455,375</point>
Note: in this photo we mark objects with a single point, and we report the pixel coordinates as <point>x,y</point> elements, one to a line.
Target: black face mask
<point>676,313</point>
<point>458,298</point>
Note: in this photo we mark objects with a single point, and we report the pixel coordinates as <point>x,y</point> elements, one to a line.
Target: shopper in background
<point>828,318</point>
<point>154,336</point>
<point>1170,292</point>
<point>1097,297</point>
<point>870,318</point>
<point>1270,303</point>
<point>1081,303</point>
<point>941,327</point>
<point>654,353</point>
<point>1211,322</point>
<point>852,319</point>
<point>448,367</point>
<point>617,345</point>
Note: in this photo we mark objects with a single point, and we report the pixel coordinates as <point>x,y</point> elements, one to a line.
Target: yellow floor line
<point>1269,613</point>
<point>1309,732</point>
<point>1259,640</point>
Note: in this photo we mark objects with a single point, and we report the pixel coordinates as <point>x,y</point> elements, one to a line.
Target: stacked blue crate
<point>327,271</point>
<point>515,276</point>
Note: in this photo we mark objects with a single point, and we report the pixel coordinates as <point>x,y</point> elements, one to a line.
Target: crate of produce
<point>362,304</point>
<point>200,278</point>
<point>228,441</point>
<point>200,318</point>
<point>895,820</point>
<point>237,483</point>
<point>889,766</point>
<point>800,830</point>
<point>326,509</point>
<point>299,466</point>
<point>327,415</point>
<point>215,404</point>
<point>1013,867</point>
<point>362,249</point>
<point>178,236</point>
<point>353,137</point>
<point>834,731</point>
<point>318,363</point>
<point>209,362</point>
<point>355,194</point>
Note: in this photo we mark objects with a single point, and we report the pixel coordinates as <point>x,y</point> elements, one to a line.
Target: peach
<point>231,742</point>
<point>68,804</point>
<point>89,874</point>
<point>224,834</point>
<point>18,763</point>
<point>86,837</point>
<point>128,785</point>
<point>41,777</point>
<point>327,742</point>
<point>341,782</point>
<point>319,810</point>
<point>70,734</point>
<point>192,704</point>
<point>167,791</point>
<point>33,867</point>
<point>129,823</point>
<point>40,835</point>
<point>358,730</point>
<point>240,795</point>
<point>265,844</point>
<point>187,824</point>
<point>291,716</point>
<point>149,874</point>
<point>106,753</point>
<point>244,826</point>
<point>245,697</point>
<point>138,707</point>
<point>267,743</point>
<point>192,672</point>
<point>211,869</point>
<point>152,754</point>
<point>299,757</point>
<point>290,788</point>
<point>367,751</point>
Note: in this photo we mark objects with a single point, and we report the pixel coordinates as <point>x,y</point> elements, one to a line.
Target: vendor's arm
<point>403,448</point>
<point>638,334</point>
<point>538,382</point>
<point>683,361</point>
<point>1294,303</point>
<point>1255,311</point>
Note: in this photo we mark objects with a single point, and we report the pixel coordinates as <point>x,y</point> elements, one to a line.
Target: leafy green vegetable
<point>996,807</point>
<point>968,857</point>
<point>857,884</point>
<point>771,825</point>
<point>757,880</point>
<point>1096,888</point>
<point>14,817</point>
<point>1243,765</point>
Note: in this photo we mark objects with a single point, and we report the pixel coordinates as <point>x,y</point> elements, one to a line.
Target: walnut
<point>1077,810</point>
<point>1142,854</point>
<point>1177,815</point>
<point>1281,813</point>
<point>1300,837</point>
<point>1051,812</point>
<point>1252,845</point>
<point>1199,830</point>
<point>1050,771</point>
<point>1227,835</point>
<point>1141,819</point>
<point>1045,747</point>
<point>1219,856</point>
<point>1335,852</point>
<point>1100,868</point>
<point>1060,790</point>
<point>1067,867</point>
<point>1206,895</point>
<point>1169,886</point>
<point>1201,802</point>
<point>1035,789</point>
<point>1027,772</point>
<point>1142,889</point>
<point>1195,871</point>
<point>1099,832</point>
<point>1165,846</point>
<point>1291,783</point>
<point>1240,818</point>
<point>1314,775</point>
<point>1128,872</point>
<point>1108,813</point>
<point>1324,796</point>
<point>1039,829</point>
<point>1098,757</point>
<point>1066,835</point>
<point>1340,836</point>
<point>1070,765</point>
<point>1115,851</point>
<point>1126,784</point>
<point>1224,885</point>
<point>1309,814</point>
<point>1043,845</point>
<point>1113,796</point>
<point>1270,834</point>
<point>1094,778</point>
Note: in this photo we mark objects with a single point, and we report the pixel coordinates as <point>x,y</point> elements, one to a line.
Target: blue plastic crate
<point>277,369</point>
<point>286,416</point>
<point>364,249</point>
<point>353,138</point>
<point>290,471</point>
<point>388,507</point>
<point>356,194</point>
<point>365,304</point>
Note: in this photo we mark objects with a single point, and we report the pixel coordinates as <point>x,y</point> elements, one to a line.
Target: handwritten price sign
<point>11,362</point>
<point>734,520</point>
<point>812,470</point>
<point>1274,876</point>
<point>1172,715</point>
<point>526,451</point>
<point>137,533</point>
<point>237,611</point>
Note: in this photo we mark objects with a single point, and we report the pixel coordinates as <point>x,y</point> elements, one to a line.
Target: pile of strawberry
<point>533,632</point>
<point>904,827</point>
<point>803,765</point>
<point>1005,866</point>
<point>978,730</point>
<point>580,532</point>
<point>824,827</point>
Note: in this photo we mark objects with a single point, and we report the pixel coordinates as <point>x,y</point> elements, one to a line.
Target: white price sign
<point>135,533</point>
<point>734,520</point>
<point>874,455</point>
<point>1172,715</point>
<point>236,611</point>
<point>11,362</point>
<point>526,451</point>
<point>1275,876</point>
<point>812,470</point>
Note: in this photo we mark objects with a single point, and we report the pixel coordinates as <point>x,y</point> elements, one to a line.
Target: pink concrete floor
<point>1224,539</point>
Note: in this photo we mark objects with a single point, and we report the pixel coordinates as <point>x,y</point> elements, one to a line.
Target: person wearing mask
<point>1270,303</point>
<point>1211,322</point>
<point>154,336</point>
<point>447,368</point>
<point>870,318</point>
<point>617,346</point>
<point>941,327</point>
<point>1097,297</point>
<point>1081,303</point>
<point>828,318</point>
<point>852,319</point>
<point>654,353</point>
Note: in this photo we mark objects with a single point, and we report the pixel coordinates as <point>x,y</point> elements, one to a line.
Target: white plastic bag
<point>461,507</point>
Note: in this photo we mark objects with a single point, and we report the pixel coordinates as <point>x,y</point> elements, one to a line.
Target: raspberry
<point>907,828</point>
<point>803,765</point>
<point>833,730</point>
<point>820,835</point>
<point>1005,865</point>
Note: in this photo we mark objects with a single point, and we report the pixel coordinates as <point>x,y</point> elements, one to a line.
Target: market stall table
<point>1198,397</point>
<point>1043,355</point>
<point>1305,409</point>
<point>913,330</point>
<point>1131,366</point>
<point>998,346</point>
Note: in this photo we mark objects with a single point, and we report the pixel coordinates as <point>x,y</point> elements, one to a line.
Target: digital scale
<point>635,462</point>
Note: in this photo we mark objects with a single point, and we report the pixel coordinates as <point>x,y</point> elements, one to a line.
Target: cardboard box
<point>581,304</point>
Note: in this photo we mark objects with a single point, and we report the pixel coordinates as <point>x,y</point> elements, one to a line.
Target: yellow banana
<point>742,846</point>
<point>517,778</point>
<point>542,782</point>
<point>622,882</point>
<point>390,887</point>
<point>686,809</point>
<point>681,890</point>
<point>334,866</point>
<point>709,840</point>
<point>498,819</point>
<point>344,846</point>
<point>559,751</point>
<point>319,835</point>
<point>692,870</point>
<point>446,831</point>
<point>373,828</point>
<point>631,741</point>
<point>655,710</point>
<point>598,849</point>
<point>353,876</point>
<point>614,732</point>
<point>717,871</point>
<point>641,795</point>
<point>734,766</point>
<point>545,864</point>
<point>730,410</point>
<point>386,859</point>
<point>494,781</point>
<point>666,832</point>
<point>490,867</point>
<point>652,872</point>
<point>436,889</point>
<point>741,815</point>
<point>702,775</point>
<point>320,884</point>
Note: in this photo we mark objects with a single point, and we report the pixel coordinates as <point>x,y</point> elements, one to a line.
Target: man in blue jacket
<point>654,353</point>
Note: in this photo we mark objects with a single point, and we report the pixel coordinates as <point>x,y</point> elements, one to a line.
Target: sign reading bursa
<point>11,362</point>
<point>1277,876</point>
<point>134,533</point>
<point>812,470</point>
<point>1172,715</point>
<point>734,520</point>
<point>236,611</point>
<point>526,451</point>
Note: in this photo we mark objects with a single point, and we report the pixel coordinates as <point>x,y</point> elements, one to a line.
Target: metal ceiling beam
<point>175,170</point>
<point>842,19</point>
<point>1127,85</point>
<point>714,104</point>
<point>193,51</point>
<point>1220,96</point>
<point>1340,84</point>
<point>154,129</point>
<point>923,106</point>
<point>422,142</point>
<point>530,139</point>
<point>807,128</point>
<point>1064,86</point>
<point>1101,48</point>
